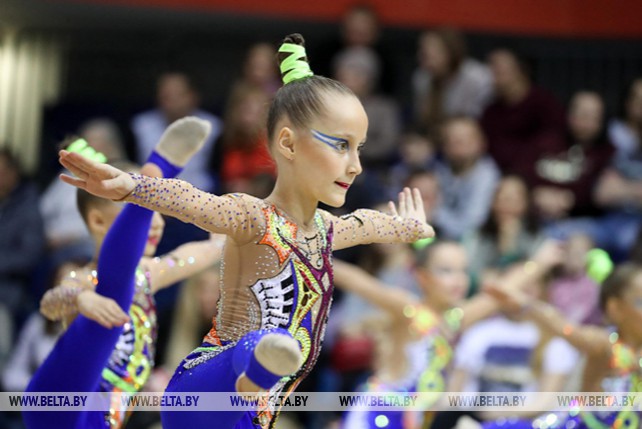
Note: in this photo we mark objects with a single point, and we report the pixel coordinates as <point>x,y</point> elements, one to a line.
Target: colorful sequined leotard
<point>132,359</point>
<point>78,359</point>
<point>626,366</point>
<point>427,357</point>
<point>275,274</point>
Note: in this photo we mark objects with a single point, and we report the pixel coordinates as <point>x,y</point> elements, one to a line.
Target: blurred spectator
<point>21,235</point>
<point>566,179</point>
<point>636,251</point>
<point>571,290</point>
<point>447,82</point>
<point>176,98</point>
<point>524,122</point>
<point>428,184</point>
<point>510,234</point>
<point>36,340</point>
<point>358,68</point>
<point>626,133</point>
<point>65,230</point>
<point>6,336</point>
<point>619,189</point>
<point>467,179</point>
<point>360,28</point>
<point>260,68</point>
<point>417,152</point>
<point>242,152</point>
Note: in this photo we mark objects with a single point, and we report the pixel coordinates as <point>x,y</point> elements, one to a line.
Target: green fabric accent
<point>204,349</point>
<point>294,67</point>
<point>118,382</point>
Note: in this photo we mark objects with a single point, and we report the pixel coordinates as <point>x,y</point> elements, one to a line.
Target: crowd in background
<point>502,165</point>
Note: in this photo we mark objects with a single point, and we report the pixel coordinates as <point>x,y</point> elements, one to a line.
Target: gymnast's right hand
<point>105,311</point>
<point>99,179</point>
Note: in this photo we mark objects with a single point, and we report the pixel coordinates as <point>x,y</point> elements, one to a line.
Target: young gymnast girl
<point>79,360</point>
<point>423,328</point>
<point>132,360</point>
<point>277,283</point>
<point>613,357</point>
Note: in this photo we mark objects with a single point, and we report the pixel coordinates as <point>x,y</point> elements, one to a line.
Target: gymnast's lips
<point>153,240</point>
<point>344,185</point>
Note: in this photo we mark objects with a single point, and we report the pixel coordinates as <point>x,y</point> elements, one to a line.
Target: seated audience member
<point>565,180</point>
<point>447,81</point>
<point>467,179</point>
<point>626,133</point>
<point>242,152</point>
<point>22,239</point>
<point>176,97</point>
<point>510,234</point>
<point>524,121</point>
<point>417,151</point>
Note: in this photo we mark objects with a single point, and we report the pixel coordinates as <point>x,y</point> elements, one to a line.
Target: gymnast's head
<point>99,214</point>
<point>316,129</point>
<point>621,300</point>
<point>442,273</point>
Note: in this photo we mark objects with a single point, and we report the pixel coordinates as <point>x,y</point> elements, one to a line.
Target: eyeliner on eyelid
<point>331,141</point>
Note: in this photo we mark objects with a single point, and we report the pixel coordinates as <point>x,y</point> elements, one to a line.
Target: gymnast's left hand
<point>411,206</point>
<point>96,178</point>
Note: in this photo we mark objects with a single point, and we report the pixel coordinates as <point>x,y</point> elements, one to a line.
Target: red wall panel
<point>581,18</point>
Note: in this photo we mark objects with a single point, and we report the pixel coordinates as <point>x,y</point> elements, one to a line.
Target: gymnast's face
<point>101,220</point>
<point>326,155</point>
<point>444,278</point>
<point>155,234</point>
<point>626,312</point>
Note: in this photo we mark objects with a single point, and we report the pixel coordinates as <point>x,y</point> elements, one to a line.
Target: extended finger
<point>79,183</point>
<point>393,208</point>
<point>402,204</point>
<point>418,201</point>
<point>80,161</point>
<point>111,319</point>
<point>117,314</point>
<point>102,321</point>
<point>71,166</point>
<point>410,204</point>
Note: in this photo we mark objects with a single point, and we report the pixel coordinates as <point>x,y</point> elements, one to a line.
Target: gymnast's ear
<point>284,144</point>
<point>100,217</point>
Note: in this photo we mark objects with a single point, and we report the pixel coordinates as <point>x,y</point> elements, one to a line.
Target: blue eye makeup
<point>335,143</point>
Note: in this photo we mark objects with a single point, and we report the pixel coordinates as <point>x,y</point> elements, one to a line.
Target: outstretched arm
<point>354,279</point>
<point>400,305</point>
<point>592,340</point>
<point>77,296</point>
<point>478,308</point>
<point>184,262</point>
<point>371,226</point>
<point>232,215</point>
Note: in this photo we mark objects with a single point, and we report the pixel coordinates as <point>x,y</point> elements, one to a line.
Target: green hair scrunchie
<point>598,265</point>
<point>81,147</point>
<point>294,67</point>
